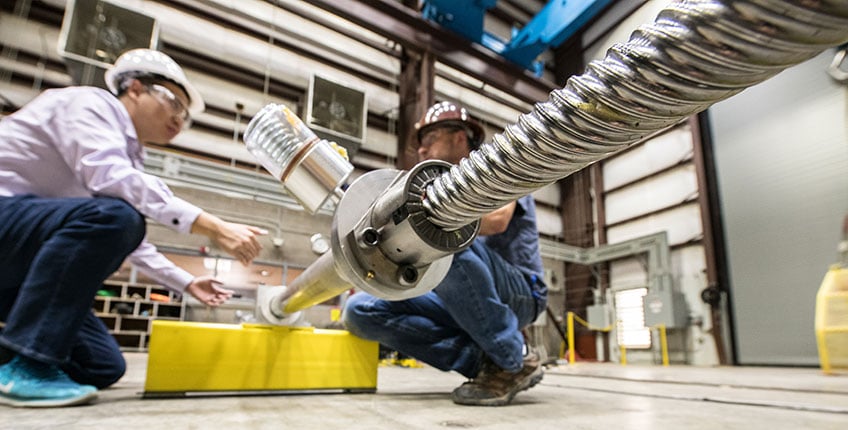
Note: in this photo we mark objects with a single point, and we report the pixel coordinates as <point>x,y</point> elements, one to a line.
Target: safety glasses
<point>171,101</point>
<point>432,135</point>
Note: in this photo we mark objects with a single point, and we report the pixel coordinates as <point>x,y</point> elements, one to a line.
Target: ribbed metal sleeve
<point>693,55</point>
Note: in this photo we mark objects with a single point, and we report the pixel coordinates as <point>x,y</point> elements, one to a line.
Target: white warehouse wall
<point>781,155</point>
<point>650,188</point>
<point>643,196</point>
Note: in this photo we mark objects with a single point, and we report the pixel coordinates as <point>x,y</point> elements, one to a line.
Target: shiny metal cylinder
<point>382,243</point>
<point>696,53</point>
<point>309,167</point>
<point>316,175</point>
<point>318,283</point>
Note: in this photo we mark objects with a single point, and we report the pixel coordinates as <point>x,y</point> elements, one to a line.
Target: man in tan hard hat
<point>471,321</point>
<point>73,202</point>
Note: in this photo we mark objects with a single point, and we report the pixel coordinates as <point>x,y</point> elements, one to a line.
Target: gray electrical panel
<point>598,316</point>
<point>665,306</point>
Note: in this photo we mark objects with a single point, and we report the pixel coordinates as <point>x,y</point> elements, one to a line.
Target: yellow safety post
<point>663,345</point>
<point>571,318</point>
<point>571,352</point>
<point>623,350</point>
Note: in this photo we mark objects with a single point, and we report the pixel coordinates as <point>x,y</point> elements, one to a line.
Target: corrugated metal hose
<point>696,53</point>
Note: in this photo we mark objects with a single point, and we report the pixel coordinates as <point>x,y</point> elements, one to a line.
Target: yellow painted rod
<point>571,352</point>
<point>623,350</point>
<point>664,345</point>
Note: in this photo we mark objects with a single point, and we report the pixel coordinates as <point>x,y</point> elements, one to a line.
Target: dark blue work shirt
<point>519,243</point>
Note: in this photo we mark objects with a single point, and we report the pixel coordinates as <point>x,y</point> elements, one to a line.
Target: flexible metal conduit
<point>696,53</point>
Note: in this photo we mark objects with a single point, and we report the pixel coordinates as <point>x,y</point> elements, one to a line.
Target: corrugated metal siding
<point>650,188</point>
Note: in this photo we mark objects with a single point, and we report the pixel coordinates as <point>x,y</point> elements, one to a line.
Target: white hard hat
<point>449,113</point>
<point>141,62</point>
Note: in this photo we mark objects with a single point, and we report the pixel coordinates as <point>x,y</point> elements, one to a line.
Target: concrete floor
<point>580,396</point>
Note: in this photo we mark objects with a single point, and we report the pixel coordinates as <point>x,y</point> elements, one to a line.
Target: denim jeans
<point>477,310</point>
<point>55,254</point>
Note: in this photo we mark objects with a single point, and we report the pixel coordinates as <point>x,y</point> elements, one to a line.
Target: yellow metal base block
<point>189,357</point>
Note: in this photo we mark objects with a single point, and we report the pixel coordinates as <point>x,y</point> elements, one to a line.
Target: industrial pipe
<point>696,53</point>
<point>382,241</point>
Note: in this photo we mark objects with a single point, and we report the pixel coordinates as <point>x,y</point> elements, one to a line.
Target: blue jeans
<point>55,254</point>
<point>477,310</point>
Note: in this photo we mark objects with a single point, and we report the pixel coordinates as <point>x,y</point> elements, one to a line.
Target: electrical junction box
<point>598,316</point>
<point>665,306</point>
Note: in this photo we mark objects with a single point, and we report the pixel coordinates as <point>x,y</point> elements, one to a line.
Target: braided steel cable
<point>696,53</point>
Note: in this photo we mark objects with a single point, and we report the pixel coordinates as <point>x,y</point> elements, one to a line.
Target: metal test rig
<point>394,232</point>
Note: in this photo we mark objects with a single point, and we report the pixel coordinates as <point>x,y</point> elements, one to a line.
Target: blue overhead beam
<point>553,25</point>
<point>462,16</point>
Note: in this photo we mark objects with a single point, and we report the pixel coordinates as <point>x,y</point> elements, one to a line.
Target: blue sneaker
<point>30,384</point>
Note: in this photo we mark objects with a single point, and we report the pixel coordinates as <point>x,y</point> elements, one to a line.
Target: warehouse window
<point>630,317</point>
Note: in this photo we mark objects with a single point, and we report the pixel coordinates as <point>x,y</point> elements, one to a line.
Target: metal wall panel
<point>652,194</point>
<point>653,156</point>
<point>683,224</point>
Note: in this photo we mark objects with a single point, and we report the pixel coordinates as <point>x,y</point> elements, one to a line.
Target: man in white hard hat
<point>73,202</point>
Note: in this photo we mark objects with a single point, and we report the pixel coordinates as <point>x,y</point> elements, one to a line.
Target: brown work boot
<point>494,386</point>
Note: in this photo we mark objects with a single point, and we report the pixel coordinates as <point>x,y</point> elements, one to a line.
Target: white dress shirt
<point>81,142</point>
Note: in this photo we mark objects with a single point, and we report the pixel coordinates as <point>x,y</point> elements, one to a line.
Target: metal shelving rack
<point>129,312</point>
